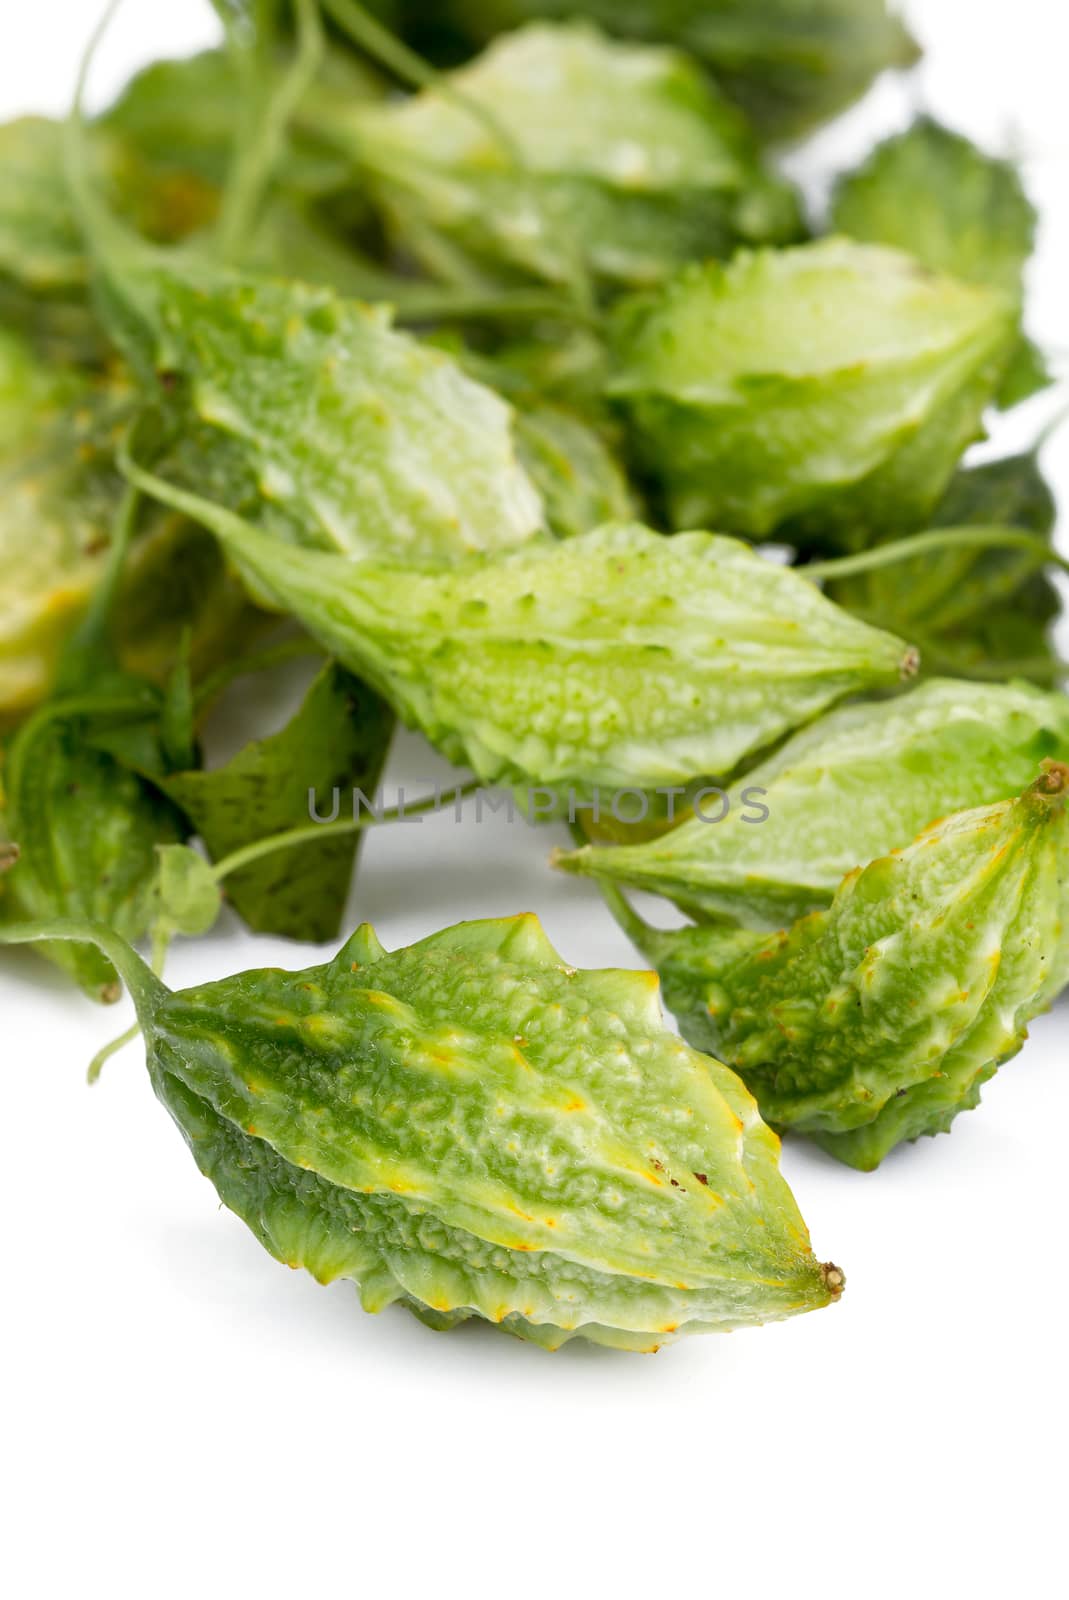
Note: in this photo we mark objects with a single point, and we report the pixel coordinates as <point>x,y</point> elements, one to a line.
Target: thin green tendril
<point>637,929</point>
<point>317,831</point>
<point>922,544</point>
<point>95,218</point>
<point>260,145</point>
<point>411,69</point>
<point>384,47</point>
<point>162,934</point>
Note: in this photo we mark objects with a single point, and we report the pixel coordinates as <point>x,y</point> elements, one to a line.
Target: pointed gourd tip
<point>911,662</point>
<point>834,1279</point>
<point>9,854</point>
<point>110,994</point>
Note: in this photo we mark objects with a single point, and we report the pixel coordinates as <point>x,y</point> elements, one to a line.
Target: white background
<point>182,1416</point>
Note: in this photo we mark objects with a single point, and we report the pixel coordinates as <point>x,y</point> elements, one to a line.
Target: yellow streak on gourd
<point>384,1002</point>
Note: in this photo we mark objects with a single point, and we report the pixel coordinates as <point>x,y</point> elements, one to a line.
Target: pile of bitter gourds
<point>477,349</point>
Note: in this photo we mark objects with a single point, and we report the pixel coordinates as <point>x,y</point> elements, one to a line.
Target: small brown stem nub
<point>834,1279</point>
<point>1053,781</point>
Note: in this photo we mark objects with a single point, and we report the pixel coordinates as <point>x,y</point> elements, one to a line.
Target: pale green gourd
<point>860,782</point>
<point>824,393</point>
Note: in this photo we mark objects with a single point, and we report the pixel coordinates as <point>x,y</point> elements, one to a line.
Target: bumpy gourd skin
<point>934,193</point>
<point>311,414</point>
<point>492,1133</point>
<point>890,768</point>
<point>618,658</point>
<point>825,393</point>
<point>476,1129</point>
<point>632,163</point>
<point>788,63</point>
<point>879,1019</point>
<point>87,831</point>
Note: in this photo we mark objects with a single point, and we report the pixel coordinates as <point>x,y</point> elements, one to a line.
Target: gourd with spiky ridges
<point>472,1128</point>
<point>878,1020</point>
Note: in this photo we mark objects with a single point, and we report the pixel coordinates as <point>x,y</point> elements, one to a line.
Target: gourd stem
<point>233,531</point>
<point>259,147</point>
<point>160,946</point>
<point>938,539</point>
<point>274,655</point>
<point>92,212</point>
<point>316,832</point>
<point>283,569</point>
<point>101,227</point>
<point>637,929</point>
<point>145,987</point>
<point>382,46</point>
<point>256,852</point>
